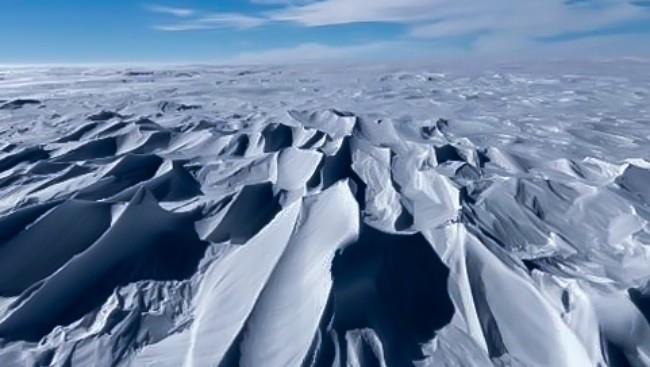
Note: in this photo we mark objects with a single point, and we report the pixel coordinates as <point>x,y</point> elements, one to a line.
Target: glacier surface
<point>320,216</point>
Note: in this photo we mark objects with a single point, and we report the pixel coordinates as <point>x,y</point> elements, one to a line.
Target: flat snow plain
<point>325,216</point>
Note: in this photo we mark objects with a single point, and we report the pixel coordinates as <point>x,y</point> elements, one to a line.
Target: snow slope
<point>314,216</point>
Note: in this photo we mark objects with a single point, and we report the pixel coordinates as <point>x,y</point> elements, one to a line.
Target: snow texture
<point>311,216</point>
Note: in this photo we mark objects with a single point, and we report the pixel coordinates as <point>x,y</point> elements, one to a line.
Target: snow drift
<point>298,217</point>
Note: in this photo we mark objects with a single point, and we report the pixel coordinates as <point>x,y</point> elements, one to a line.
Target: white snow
<point>297,216</point>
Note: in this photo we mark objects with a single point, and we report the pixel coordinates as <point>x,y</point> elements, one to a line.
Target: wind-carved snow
<point>305,216</point>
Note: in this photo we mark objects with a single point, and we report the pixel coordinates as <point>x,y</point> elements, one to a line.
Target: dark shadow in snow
<point>27,155</point>
<point>615,355</point>
<point>338,166</point>
<point>73,171</point>
<point>36,252</point>
<point>167,106</point>
<point>175,185</point>
<point>48,168</point>
<point>311,142</point>
<point>13,223</point>
<point>323,349</point>
<point>446,153</point>
<point>233,354</point>
<point>138,73</point>
<point>427,132</point>
<point>496,346</point>
<point>104,116</point>
<point>157,140</point>
<point>129,171</point>
<point>8,147</point>
<point>237,147</point>
<point>250,211</point>
<point>112,130</point>
<point>635,180</point>
<point>79,133</point>
<point>332,169</point>
<point>146,243</point>
<point>404,221</point>
<point>94,149</point>
<point>277,137</point>
<point>145,124</point>
<point>641,298</point>
<point>395,285</point>
<point>19,103</point>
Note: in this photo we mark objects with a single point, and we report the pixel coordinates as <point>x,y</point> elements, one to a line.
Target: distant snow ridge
<point>315,238</point>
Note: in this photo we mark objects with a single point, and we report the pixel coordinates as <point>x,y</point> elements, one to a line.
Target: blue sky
<point>261,31</point>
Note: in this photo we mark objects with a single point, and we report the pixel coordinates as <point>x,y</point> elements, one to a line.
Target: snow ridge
<point>209,217</point>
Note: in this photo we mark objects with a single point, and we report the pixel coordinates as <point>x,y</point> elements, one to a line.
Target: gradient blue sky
<point>261,31</point>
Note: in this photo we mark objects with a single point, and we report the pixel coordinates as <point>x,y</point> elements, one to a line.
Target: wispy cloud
<point>439,18</point>
<point>526,18</point>
<point>282,2</point>
<point>195,19</point>
<point>213,21</point>
<point>427,18</point>
<point>503,22</point>
<point>506,22</point>
<point>177,12</point>
<point>332,12</point>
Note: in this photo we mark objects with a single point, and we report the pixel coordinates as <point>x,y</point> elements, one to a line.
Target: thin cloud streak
<point>335,12</point>
<point>214,21</point>
<point>426,18</point>
<point>177,12</point>
<point>550,18</point>
<point>502,22</point>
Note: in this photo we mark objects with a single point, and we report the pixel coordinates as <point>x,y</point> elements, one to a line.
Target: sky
<point>285,31</point>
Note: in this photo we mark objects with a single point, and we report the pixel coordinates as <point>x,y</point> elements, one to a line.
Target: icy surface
<point>319,216</point>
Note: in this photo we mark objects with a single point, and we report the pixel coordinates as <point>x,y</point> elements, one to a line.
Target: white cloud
<point>510,24</point>
<point>427,18</point>
<point>526,18</point>
<point>177,12</point>
<point>331,12</point>
<point>441,18</point>
<point>506,25</point>
<point>282,2</point>
<point>194,19</point>
<point>214,21</point>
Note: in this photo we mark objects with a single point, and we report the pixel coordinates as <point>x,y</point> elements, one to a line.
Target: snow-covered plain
<point>323,216</point>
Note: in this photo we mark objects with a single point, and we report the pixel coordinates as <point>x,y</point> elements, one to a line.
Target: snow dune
<point>223,216</point>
